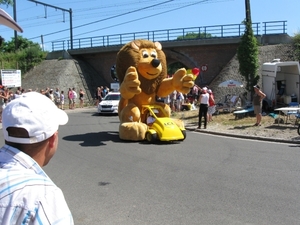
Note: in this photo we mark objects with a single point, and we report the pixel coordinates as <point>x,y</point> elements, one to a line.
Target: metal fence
<point>192,33</point>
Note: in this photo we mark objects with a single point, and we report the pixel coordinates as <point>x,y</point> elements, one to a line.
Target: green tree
<point>27,56</point>
<point>23,43</point>
<point>7,2</point>
<point>193,35</point>
<point>247,54</point>
<point>296,46</point>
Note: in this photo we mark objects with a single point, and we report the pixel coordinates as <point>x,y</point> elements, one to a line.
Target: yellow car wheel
<point>151,137</point>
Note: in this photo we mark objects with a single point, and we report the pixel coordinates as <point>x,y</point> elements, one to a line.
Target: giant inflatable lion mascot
<point>142,71</point>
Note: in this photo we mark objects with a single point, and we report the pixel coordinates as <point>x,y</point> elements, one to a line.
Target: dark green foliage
<point>296,46</point>
<point>248,57</point>
<point>22,43</point>
<point>7,2</point>
<point>193,35</point>
<point>27,56</point>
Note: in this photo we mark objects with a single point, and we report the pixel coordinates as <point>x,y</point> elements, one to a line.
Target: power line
<point>137,10</point>
<point>141,18</point>
<point>180,6</point>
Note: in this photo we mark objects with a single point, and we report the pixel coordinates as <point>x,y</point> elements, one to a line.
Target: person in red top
<point>70,97</point>
<point>211,105</point>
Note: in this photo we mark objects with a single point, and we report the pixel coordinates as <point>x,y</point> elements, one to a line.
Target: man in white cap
<point>27,195</point>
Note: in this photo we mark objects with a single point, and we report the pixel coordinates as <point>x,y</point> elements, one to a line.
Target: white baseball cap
<point>34,112</point>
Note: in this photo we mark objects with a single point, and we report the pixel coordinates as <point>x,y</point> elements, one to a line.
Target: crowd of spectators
<point>176,100</point>
<point>100,93</point>
<point>57,96</point>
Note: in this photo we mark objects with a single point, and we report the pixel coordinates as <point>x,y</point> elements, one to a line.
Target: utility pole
<point>248,12</point>
<point>15,18</point>
<point>65,10</point>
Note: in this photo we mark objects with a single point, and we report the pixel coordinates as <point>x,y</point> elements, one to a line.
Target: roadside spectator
<point>167,100</point>
<point>98,95</point>
<point>173,100</point>
<point>6,97</point>
<point>195,93</point>
<point>28,195</point>
<point>104,91</point>
<point>74,98</point>
<point>257,104</point>
<point>179,101</point>
<point>1,103</point>
<point>62,100</point>
<point>17,94</point>
<point>70,97</point>
<point>81,97</point>
<point>46,92</point>
<point>51,95</point>
<point>211,106</point>
<point>56,95</point>
<point>203,99</point>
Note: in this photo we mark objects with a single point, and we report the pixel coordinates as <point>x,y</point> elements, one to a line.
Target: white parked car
<point>110,103</point>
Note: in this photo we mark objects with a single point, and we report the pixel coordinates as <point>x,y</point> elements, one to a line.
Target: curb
<point>243,136</point>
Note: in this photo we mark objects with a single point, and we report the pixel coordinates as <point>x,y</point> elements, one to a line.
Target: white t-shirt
<point>204,98</point>
<point>74,94</point>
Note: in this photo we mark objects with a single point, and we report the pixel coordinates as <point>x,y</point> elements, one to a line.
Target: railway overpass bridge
<point>216,46</point>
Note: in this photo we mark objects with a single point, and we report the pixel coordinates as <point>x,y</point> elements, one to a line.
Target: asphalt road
<point>204,180</point>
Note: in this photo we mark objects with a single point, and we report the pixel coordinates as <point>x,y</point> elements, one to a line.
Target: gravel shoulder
<point>226,124</point>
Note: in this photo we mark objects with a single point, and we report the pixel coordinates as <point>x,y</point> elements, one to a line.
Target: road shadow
<point>104,114</point>
<point>283,127</point>
<point>240,127</point>
<point>273,127</point>
<point>145,142</point>
<point>94,139</point>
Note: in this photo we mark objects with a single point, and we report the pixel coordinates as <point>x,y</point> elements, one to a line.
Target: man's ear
<point>53,139</point>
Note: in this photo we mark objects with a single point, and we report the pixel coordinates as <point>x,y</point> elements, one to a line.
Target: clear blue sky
<point>98,17</point>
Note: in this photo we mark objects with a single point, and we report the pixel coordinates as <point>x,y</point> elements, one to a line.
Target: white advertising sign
<point>11,78</point>
<point>115,86</point>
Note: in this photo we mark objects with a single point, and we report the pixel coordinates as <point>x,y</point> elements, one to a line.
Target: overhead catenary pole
<point>15,18</point>
<point>42,40</point>
<point>65,10</point>
<point>248,12</point>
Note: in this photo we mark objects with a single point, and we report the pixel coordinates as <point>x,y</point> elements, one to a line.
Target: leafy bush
<point>25,57</point>
<point>296,45</point>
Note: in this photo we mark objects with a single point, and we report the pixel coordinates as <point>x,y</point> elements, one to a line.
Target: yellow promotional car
<point>162,128</point>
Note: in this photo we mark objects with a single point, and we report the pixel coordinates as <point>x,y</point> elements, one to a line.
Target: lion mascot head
<point>137,54</point>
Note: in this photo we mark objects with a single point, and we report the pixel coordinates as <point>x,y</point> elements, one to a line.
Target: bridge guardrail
<point>206,32</point>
